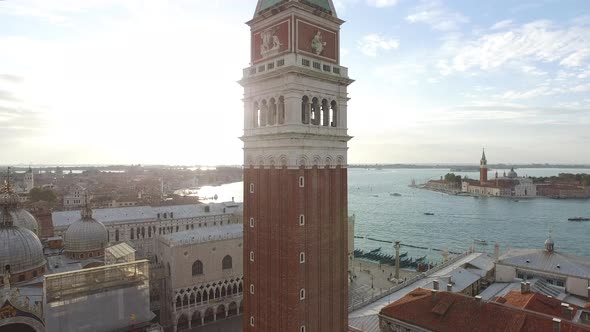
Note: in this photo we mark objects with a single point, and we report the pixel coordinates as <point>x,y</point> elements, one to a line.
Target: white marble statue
<point>270,42</point>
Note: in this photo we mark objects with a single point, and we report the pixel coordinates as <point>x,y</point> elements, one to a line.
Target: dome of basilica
<point>9,205</point>
<point>85,234</point>
<point>512,174</point>
<point>20,248</point>
<point>22,218</point>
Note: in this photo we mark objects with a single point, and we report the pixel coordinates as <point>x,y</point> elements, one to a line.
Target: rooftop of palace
<point>147,213</point>
<point>555,262</point>
<point>203,235</point>
<point>367,316</point>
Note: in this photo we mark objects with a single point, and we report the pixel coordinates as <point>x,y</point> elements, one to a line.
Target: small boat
<point>481,242</point>
<point>578,219</point>
<point>375,195</point>
<point>394,194</point>
<point>428,214</point>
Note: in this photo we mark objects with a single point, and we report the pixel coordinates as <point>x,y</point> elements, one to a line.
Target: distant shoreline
<point>461,167</point>
<point>466,168</point>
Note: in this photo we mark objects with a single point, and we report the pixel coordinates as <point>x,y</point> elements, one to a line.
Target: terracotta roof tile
<point>539,303</point>
<point>446,312</point>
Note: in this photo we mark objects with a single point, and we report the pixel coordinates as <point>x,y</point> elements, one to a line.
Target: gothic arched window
<point>226,263</point>
<point>197,268</point>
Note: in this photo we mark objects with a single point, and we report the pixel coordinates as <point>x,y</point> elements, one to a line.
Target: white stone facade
<point>202,275</point>
<point>75,198</point>
<point>141,233</point>
<point>525,188</point>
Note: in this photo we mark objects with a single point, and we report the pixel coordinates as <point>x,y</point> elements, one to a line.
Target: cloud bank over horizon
<point>105,81</point>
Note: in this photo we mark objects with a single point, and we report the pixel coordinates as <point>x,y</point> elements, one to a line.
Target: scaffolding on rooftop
<point>69,285</point>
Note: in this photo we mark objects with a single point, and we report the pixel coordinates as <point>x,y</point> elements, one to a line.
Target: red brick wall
<point>277,239</point>
<point>28,275</point>
<point>483,175</point>
<point>45,224</point>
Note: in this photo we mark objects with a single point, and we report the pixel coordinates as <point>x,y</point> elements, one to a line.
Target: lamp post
<point>397,262</point>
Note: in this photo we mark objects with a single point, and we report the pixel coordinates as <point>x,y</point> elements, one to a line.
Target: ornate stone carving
<point>317,43</point>
<point>294,161</point>
<point>270,42</point>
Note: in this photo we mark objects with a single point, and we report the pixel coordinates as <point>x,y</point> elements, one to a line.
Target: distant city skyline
<point>127,82</point>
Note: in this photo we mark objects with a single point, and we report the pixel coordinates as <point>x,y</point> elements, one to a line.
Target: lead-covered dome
<point>86,236</point>
<point>9,208</point>
<point>22,218</point>
<point>512,174</point>
<point>21,249</point>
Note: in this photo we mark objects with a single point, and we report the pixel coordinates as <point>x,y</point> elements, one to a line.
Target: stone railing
<point>296,60</point>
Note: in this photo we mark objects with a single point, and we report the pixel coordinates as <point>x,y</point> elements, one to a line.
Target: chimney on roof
<point>449,287</point>
<point>478,299</point>
<point>570,313</point>
<point>528,286</point>
<point>435,284</point>
<point>564,311</point>
<point>434,295</point>
<point>556,325</point>
<point>523,288</point>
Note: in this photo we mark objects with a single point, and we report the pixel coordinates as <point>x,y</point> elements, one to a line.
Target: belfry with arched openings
<point>295,153</point>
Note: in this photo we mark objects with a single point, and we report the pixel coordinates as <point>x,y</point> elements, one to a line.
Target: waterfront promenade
<point>371,279</point>
<point>366,317</point>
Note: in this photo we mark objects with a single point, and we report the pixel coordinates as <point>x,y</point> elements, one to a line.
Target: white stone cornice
<point>295,160</point>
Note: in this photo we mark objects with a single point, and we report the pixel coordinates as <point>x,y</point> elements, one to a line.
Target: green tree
<point>38,194</point>
<point>452,178</point>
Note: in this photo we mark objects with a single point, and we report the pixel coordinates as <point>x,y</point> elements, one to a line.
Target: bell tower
<point>295,170</point>
<point>483,168</point>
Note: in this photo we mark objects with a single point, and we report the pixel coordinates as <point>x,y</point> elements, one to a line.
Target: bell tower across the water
<point>295,170</point>
<point>483,168</point>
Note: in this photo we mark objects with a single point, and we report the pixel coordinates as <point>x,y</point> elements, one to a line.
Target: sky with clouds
<point>154,82</point>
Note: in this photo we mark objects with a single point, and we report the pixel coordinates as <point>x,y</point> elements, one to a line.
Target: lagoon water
<point>457,220</point>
